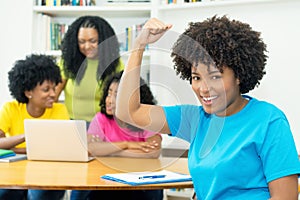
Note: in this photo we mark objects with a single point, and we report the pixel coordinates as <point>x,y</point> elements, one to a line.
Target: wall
<point>15,38</point>
<point>278,21</point>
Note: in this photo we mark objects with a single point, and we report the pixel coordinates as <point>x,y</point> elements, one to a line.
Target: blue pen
<point>151,177</point>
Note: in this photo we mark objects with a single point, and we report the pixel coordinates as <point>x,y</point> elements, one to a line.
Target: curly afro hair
<point>220,42</point>
<point>145,95</point>
<point>27,74</point>
<point>74,61</point>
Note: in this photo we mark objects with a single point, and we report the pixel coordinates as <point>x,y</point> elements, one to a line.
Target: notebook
<point>6,153</point>
<point>13,158</point>
<point>56,140</point>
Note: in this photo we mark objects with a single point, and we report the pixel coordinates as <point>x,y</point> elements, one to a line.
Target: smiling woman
<point>88,42</point>
<point>217,92</point>
<point>90,53</point>
<point>32,83</point>
<point>231,135</point>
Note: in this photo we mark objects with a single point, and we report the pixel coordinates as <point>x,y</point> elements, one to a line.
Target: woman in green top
<point>90,52</point>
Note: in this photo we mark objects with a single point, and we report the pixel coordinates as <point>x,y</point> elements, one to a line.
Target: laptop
<point>56,140</point>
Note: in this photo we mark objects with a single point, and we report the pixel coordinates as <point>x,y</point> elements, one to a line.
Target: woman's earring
<point>30,97</point>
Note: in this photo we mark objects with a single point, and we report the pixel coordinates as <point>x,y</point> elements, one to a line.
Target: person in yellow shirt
<point>32,83</point>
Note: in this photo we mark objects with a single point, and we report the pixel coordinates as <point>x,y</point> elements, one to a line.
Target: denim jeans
<point>45,194</point>
<point>10,194</point>
<point>80,194</point>
<point>126,194</point>
<point>117,194</point>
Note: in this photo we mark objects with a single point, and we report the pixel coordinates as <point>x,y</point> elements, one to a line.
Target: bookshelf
<point>119,15</point>
<point>122,15</point>
<point>207,3</point>
<point>115,10</point>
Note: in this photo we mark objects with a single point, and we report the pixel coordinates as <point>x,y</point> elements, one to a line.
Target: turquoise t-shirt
<point>235,157</point>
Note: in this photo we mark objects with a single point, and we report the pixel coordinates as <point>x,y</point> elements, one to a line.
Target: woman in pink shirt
<point>108,136</point>
<point>111,137</point>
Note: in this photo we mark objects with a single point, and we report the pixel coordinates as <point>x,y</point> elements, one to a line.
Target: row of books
<point>51,34</point>
<point>128,1</point>
<point>182,1</point>
<point>57,32</point>
<point>127,40</point>
<point>131,33</point>
<point>65,2</point>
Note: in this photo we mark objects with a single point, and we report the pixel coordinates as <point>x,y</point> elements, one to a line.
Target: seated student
<point>32,83</point>
<point>108,136</point>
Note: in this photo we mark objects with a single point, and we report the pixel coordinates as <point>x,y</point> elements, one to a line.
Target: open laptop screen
<point>56,140</point>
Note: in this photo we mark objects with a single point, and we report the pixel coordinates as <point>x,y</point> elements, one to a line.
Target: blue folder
<point>142,178</point>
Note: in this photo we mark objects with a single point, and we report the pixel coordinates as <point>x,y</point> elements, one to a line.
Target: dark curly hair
<point>108,49</point>
<point>145,95</point>
<point>220,42</point>
<point>27,74</point>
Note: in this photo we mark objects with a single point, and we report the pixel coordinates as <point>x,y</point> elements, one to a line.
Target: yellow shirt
<point>13,113</point>
<point>82,101</point>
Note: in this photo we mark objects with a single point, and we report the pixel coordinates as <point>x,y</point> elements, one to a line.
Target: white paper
<point>140,178</point>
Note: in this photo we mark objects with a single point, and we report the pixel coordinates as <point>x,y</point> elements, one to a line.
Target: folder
<point>141,178</point>
<point>6,153</point>
<point>13,158</point>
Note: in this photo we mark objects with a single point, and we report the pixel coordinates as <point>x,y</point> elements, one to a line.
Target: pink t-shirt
<point>109,131</point>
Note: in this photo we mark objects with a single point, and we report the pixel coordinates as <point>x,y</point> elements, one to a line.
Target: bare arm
<point>285,188</point>
<point>12,142</point>
<point>59,88</point>
<point>129,108</point>
<point>152,151</point>
<point>148,149</point>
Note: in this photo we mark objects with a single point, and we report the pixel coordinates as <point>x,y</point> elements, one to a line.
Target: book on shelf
<point>128,1</point>
<point>50,34</point>
<point>65,2</point>
<point>181,1</point>
<point>131,32</point>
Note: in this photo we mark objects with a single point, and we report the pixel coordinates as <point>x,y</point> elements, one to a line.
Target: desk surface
<point>85,176</point>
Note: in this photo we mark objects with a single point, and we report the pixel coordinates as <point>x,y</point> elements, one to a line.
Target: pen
<point>154,176</point>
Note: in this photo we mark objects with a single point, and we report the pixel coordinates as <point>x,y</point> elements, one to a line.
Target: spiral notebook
<point>142,178</point>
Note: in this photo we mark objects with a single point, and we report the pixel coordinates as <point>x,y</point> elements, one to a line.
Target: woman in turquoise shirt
<point>240,147</point>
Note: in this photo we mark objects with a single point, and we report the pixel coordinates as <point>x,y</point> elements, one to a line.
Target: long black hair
<point>145,95</point>
<point>74,61</point>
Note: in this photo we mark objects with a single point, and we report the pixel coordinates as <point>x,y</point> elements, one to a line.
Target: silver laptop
<point>56,140</point>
